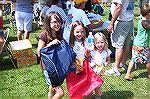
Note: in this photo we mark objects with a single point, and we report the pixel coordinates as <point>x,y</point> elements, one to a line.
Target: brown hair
<point>98,35</point>
<point>145,10</point>
<point>72,37</point>
<point>48,29</point>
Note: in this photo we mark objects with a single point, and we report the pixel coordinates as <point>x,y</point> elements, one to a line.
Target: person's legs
<point>27,24</point>
<point>123,41</point>
<point>128,74</point>
<point>148,64</point>
<point>19,24</point>
<point>19,35</point>
<point>148,69</point>
<point>98,91</point>
<point>51,92</point>
<point>26,35</point>
<point>58,92</point>
<point>125,54</point>
<point>118,57</point>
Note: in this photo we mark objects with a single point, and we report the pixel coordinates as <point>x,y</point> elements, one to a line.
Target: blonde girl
<point>100,56</point>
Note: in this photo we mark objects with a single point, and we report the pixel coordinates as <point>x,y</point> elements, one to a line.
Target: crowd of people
<point>73,25</point>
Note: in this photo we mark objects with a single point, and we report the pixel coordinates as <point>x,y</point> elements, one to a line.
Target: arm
<point>95,24</point>
<point>115,15</point>
<point>107,61</point>
<point>41,44</point>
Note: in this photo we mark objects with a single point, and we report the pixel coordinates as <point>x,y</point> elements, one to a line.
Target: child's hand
<point>106,64</point>
<point>55,41</point>
<point>87,53</point>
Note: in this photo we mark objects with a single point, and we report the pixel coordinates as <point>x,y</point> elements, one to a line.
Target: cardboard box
<point>26,61</point>
<point>21,48</point>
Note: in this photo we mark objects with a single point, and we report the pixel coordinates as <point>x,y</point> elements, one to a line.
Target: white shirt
<point>59,10</point>
<point>99,58</point>
<point>79,49</point>
<point>127,13</point>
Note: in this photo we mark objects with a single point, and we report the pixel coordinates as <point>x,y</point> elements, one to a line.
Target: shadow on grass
<point>10,39</point>
<point>6,64</point>
<point>114,94</point>
<point>141,75</point>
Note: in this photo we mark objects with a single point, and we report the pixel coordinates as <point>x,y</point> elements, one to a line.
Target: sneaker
<point>113,71</point>
<point>125,66</point>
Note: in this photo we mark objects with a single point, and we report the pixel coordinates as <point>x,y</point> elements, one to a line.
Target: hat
<point>98,9</point>
<point>79,1</point>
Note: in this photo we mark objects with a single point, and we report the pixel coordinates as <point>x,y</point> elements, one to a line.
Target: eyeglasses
<point>55,22</point>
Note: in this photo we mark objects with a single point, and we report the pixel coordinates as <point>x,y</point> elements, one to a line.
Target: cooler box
<point>21,48</point>
<point>22,53</point>
<point>26,61</point>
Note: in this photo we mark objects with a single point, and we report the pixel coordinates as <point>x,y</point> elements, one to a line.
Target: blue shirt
<point>24,6</point>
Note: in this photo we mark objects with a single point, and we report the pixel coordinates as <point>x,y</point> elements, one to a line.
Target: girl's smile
<point>54,24</point>
<point>79,32</point>
<point>100,44</point>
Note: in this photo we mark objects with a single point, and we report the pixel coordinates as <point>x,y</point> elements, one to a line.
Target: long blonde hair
<point>98,35</point>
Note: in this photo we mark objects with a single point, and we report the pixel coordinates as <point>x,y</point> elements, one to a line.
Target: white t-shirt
<point>59,10</point>
<point>99,58</point>
<point>79,49</point>
<point>127,13</point>
<point>69,4</point>
<point>73,15</point>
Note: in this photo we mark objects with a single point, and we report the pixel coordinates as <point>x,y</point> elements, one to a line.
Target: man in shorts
<point>23,17</point>
<point>121,28</point>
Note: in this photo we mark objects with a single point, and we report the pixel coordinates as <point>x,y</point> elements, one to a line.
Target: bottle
<point>90,41</point>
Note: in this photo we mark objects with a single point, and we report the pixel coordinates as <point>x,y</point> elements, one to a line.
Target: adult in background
<point>56,7</point>
<point>121,26</point>
<point>23,16</point>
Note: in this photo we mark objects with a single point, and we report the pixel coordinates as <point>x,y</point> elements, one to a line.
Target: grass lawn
<point>28,82</point>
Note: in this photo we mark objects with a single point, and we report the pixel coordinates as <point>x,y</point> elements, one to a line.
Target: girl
<point>100,56</point>
<point>77,42</point>
<point>141,44</point>
<point>51,35</point>
<point>83,76</point>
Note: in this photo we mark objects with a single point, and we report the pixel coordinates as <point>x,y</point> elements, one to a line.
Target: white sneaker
<point>125,66</point>
<point>113,71</point>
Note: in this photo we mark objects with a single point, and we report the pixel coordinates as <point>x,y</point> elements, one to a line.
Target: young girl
<point>81,77</point>
<point>141,44</point>
<point>100,56</point>
<point>51,35</point>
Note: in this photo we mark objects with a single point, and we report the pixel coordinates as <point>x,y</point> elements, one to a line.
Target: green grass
<point>28,82</point>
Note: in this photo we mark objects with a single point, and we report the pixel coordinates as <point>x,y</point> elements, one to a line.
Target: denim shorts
<point>1,33</point>
<point>47,79</point>
<point>23,21</point>
<point>122,34</point>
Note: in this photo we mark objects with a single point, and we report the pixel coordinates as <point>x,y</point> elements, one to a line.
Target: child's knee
<point>59,91</point>
<point>59,94</point>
